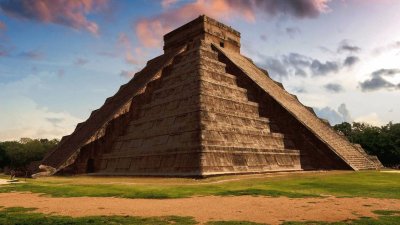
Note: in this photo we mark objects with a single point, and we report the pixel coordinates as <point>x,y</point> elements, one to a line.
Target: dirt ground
<point>257,209</point>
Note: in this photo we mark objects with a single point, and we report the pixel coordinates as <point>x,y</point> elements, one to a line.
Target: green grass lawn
<point>25,216</point>
<point>341,184</point>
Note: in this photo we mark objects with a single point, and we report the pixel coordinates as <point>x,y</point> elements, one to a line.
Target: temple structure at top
<point>203,109</point>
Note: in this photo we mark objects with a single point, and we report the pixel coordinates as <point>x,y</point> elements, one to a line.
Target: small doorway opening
<point>90,166</point>
<point>222,44</point>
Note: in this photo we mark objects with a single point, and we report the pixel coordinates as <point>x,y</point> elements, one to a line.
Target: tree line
<point>383,141</point>
<point>18,155</point>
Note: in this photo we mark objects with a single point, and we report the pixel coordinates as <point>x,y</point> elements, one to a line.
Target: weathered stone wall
<point>164,137</point>
<point>234,137</point>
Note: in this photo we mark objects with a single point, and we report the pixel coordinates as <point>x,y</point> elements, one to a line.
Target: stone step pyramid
<point>203,109</point>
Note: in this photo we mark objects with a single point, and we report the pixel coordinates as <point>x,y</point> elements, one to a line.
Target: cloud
<point>275,67</point>
<point>61,73</point>
<point>109,54</point>
<point>320,69</point>
<point>351,61</point>
<point>298,65</point>
<point>378,82</point>
<point>132,55</point>
<point>297,9</point>
<point>335,88</point>
<point>127,74</point>
<point>2,26</point>
<point>151,30</point>
<point>263,37</point>
<point>55,121</point>
<point>389,47</point>
<point>372,119</point>
<point>80,62</point>
<point>29,120</point>
<point>340,115</point>
<point>23,117</point>
<point>69,13</point>
<point>345,46</point>
<point>386,72</point>
<point>168,3</point>
<point>344,112</point>
<point>32,55</point>
<point>292,31</point>
<point>4,50</point>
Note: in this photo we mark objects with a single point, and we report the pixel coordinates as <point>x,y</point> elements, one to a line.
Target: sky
<point>60,59</point>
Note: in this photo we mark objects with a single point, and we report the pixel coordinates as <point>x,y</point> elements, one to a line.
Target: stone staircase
<point>339,145</point>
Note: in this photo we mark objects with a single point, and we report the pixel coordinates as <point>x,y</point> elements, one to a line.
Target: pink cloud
<point>168,3</point>
<point>150,30</point>
<point>2,26</point>
<point>132,55</point>
<point>70,13</point>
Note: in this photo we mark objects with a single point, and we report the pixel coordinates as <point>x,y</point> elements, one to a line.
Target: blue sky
<point>61,59</point>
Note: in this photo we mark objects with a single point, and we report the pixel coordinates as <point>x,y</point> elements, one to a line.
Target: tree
<point>19,154</point>
<point>383,142</point>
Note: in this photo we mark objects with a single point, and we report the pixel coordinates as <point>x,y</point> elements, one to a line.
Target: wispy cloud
<point>346,46</point>
<point>389,47</point>
<point>5,50</point>
<point>351,61</point>
<point>127,74</point>
<point>150,30</point>
<point>292,31</point>
<point>132,55</point>
<point>61,73</point>
<point>32,55</point>
<point>168,3</point>
<point>80,62</point>
<point>298,65</point>
<point>2,26</point>
<point>333,87</point>
<point>70,13</point>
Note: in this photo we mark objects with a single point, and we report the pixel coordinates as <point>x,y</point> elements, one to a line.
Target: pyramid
<point>203,109</point>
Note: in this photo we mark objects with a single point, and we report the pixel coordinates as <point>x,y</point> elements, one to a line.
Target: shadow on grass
<point>387,217</point>
<point>271,193</point>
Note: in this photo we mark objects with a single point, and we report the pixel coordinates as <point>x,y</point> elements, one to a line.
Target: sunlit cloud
<point>132,55</point>
<point>150,30</point>
<point>168,3</point>
<point>70,13</point>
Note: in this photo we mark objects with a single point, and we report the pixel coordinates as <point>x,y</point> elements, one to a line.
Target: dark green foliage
<point>383,142</point>
<point>381,220</point>
<point>387,212</point>
<point>18,154</point>
<point>25,216</point>
<point>262,192</point>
